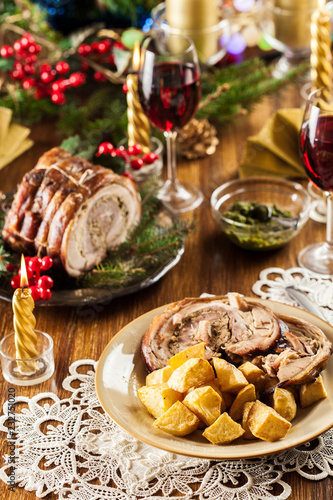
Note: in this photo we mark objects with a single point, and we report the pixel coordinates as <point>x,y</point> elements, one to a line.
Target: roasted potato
<point>223,430</point>
<point>265,423</point>
<point>158,398</point>
<point>247,433</point>
<point>245,395</point>
<point>230,378</point>
<point>251,372</point>
<point>193,373</point>
<point>177,420</point>
<point>205,403</point>
<point>159,377</point>
<point>312,392</point>
<point>284,403</point>
<point>194,351</point>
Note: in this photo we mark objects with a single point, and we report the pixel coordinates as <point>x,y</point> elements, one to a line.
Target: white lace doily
<point>72,448</point>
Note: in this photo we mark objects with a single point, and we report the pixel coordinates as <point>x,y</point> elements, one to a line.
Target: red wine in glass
<point>169,92</point>
<point>171,98</point>
<point>316,140</point>
<point>317,151</point>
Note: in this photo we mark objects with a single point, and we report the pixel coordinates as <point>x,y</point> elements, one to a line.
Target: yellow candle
<point>24,322</point>
<point>191,16</point>
<point>321,57</point>
<point>292,23</point>
<point>138,124</point>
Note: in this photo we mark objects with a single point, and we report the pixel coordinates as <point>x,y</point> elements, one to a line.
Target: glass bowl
<point>255,234</point>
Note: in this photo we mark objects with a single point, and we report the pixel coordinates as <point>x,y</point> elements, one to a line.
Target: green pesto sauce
<point>257,230</point>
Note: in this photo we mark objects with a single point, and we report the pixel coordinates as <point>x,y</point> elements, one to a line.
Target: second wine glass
<point>317,154</point>
<point>169,90</point>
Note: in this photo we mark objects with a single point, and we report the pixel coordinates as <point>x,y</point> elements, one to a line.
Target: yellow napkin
<point>275,150</point>
<point>13,138</point>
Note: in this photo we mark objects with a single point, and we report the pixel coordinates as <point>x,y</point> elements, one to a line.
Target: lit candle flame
<point>24,277</point>
<point>136,56</point>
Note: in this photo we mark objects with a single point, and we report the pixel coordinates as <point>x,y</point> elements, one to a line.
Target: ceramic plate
<point>120,372</point>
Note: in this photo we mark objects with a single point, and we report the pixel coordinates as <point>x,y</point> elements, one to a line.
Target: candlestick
<point>24,322</point>
<point>194,18</point>
<point>138,124</point>
<point>321,57</point>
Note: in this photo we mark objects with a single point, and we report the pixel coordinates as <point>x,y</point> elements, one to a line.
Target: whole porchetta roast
<point>72,210</point>
<point>285,347</point>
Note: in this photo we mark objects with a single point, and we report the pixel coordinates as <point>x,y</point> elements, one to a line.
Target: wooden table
<point>210,264</point>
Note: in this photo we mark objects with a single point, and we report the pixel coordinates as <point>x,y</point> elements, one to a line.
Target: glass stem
<point>329,224</point>
<point>170,138</point>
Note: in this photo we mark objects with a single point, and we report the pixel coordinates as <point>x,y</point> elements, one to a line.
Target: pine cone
<point>197,139</point>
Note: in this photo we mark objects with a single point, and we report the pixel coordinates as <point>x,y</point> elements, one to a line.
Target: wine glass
<point>317,155</point>
<point>169,91</point>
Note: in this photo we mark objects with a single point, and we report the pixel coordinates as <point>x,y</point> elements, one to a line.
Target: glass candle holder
<point>286,27</point>
<point>147,171</point>
<point>210,42</point>
<point>30,371</point>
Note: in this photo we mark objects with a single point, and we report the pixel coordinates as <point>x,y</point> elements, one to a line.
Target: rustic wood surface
<point>210,264</point>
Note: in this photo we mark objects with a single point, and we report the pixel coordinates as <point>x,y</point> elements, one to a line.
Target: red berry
<point>99,77</point>
<point>11,267</point>
<point>58,85</point>
<point>45,282</point>
<point>35,292</point>
<point>25,42</point>
<point>103,47</point>
<point>137,163</point>
<point>62,67</point>
<point>77,79</point>
<point>28,69</point>
<point>47,263</point>
<point>17,74</point>
<point>28,83</point>
<point>119,45</point>
<point>134,150</point>
<point>6,51</point>
<point>104,148</point>
<point>47,76</point>
<point>58,98</point>
<point>129,176</point>
<point>149,158</point>
<point>45,294</point>
<point>45,68</point>
<point>84,49</point>
<point>121,152</point>
<point>125,89</point>
<point>15,282</point>
<point>94,46</point>
<point>31,59</point>
<point>35,264</point>
<point>18,47</point>
<point>84,67</point>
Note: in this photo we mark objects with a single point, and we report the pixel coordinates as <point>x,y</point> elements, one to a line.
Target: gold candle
<point>321,57</point>
<point>138,124</point>
<point>292,23</point>
<point>24,322</point>
<point>191,16</point>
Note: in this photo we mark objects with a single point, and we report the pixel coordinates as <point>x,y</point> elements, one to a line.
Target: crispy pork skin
<point>239,330</point>
<point>72,210</point>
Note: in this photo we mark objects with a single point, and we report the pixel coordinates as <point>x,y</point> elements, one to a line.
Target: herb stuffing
<point>257,226</point>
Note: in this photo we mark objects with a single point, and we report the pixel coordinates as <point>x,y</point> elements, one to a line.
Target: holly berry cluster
<point>133,155</point>
<point>32,73</point>
<point>40,285</point>
<point>100,52</point>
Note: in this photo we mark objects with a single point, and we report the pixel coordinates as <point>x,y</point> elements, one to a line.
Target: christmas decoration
<point>135,156</point>
<point>39,284</point>
<point>197,139</point>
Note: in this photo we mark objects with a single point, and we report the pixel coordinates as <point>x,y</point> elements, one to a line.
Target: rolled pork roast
<point>72,210</point>
<point>287,348</point>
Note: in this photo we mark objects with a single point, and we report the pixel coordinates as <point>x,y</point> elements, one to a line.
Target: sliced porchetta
<point>76,212</point>
<point>305,353</point>
<point>291,349</point>
<point>226,329</point>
